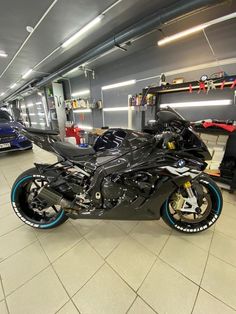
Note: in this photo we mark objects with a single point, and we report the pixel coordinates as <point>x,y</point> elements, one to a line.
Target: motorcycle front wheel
<point>210,207</point>
<point>30,209</point>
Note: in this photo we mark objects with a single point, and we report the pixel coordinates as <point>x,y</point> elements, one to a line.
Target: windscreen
<point>5,117</point>
<point>111,139</point>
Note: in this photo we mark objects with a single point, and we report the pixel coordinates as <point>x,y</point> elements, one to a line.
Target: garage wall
<point>145,59</point>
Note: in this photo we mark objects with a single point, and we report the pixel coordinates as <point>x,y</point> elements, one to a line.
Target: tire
<point>22,208</point>
<point>216,202</point>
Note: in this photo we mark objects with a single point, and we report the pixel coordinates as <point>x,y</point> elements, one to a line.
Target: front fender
<point>163,190</point>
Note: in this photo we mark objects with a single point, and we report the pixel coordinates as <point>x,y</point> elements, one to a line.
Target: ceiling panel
<point>66,18</point>
<point>14,17</point>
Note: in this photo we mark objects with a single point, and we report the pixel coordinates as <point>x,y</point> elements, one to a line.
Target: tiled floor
<point>112,267</point>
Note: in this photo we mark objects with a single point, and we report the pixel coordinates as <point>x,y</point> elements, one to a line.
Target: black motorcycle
<point>175,133</point>
<point>125,176</point>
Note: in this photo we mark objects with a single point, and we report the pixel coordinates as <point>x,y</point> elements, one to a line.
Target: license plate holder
<point>5,145</point>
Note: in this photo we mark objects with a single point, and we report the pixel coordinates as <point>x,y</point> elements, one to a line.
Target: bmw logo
<point>181,163</point>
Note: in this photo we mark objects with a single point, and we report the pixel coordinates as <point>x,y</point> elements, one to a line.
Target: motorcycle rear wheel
<point>212,212</point>
<point>23,190</point>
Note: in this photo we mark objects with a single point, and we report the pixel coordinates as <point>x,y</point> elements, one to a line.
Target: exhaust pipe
<point>54,198</point>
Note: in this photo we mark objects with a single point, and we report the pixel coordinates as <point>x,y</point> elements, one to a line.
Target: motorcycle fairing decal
<point>182,171</point>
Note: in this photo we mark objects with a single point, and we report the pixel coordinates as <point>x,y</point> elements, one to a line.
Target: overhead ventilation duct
<point>157,19</point>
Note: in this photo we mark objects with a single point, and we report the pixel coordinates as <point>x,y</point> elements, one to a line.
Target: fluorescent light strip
<point>81,93</point>
<point>82,31</point>
<point>38,103</point>
<point>180,35</point>
<point>27,74</point>
<point>2,94</point>
<point>195,29</point>
<point>86,127</point>
<point>32,114</point>
<point>13,85</point>
<point>126,83</point>
<point>34,123</point>
<point>116,109</point>
<point>42,123</point>
<point>223,102</point>
<point>29,105</point>
<point>3,54</point>
<point>82,110</point>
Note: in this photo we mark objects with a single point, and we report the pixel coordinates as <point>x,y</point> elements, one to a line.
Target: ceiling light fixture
<point>73,70</point>
<point>13,85</point>
<point>116,109</point>
<point>2,94</point>
<point>81,93</point>
<point>24,76</point>
<point>126,83</point>
<point>180,35</point>
<point>86,127</point>
<point>38,103</point>
<point>223,102</point>
<point>3,54</point>
<point>195,29</point>
<point>82,110</point>
<point>82,31</point>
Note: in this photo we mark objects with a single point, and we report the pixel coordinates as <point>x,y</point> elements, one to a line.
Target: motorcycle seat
<point>43,132</point>
<point>70,151</point>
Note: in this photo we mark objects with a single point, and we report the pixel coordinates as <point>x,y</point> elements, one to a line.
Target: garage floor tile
<point>140,307</point>
<point>4,198</point>
<point>16,240</point>
<point>3,308</point>
<point>220,280</point>
<point>207,304</point>
<point>9,223</point>
<point>106,292</point>
<point>167,291</point>
<point>5,210</point>
<point>229,210</point>
<point>60,240</point>
<point>134,268</point>
<point>30,261</point>
<point>226,225</point>
<point>1,291</point>
<point>185,257</point>
<point>77,266</point>
<point>201,240</point>
<point>68,308</point>
<point>224,248</point>
<point>151,235</point>
<point>43,294</point>
<point>105,237</point>
<point>84,226</point>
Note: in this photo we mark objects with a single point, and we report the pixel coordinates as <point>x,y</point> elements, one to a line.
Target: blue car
<point>10,139</point>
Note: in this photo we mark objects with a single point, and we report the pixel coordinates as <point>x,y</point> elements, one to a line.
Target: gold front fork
<point>188,187</point>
